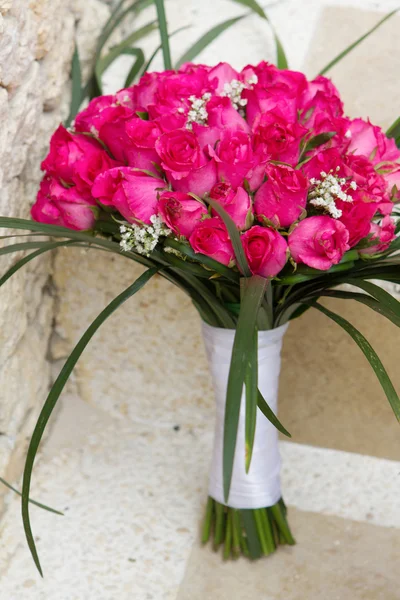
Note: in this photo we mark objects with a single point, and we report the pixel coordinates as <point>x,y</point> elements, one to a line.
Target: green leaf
<point>314,142</point>
<point>281,61</point>
<point>76,98</point>
<point>212,264</point>
<point>394,130</point>
<point>205,40</point>
<point>136,67</point>
<point>55,394</point>
<point>39,504</point>
<point>253,290</point>
<point>234,235</point>
<point>369,353</point>
<point>377,292</point>
<point>251,383</point>
<point>364,299</point>
<point>356,43</point>
<point>271,416</point>
<point>19,264</point>
<point>162,24</point>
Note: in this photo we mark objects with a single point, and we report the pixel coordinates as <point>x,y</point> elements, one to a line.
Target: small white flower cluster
<point>143,238</point>
<point>328,189</point>
<point>234,90</point>
<point>198,112</point>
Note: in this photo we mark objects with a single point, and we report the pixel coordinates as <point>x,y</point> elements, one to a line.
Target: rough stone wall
<point>36,46</point>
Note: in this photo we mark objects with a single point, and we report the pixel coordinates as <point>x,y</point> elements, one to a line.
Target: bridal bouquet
<point>255,194</point>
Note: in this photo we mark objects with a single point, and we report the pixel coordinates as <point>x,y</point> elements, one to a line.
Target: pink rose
<point>173,92</point>
<point>277,139</point>
<point>76,159</point>
<point>319,242</point>
<point>199,181</point>
<point>131,192</point>
<point>210,237</point>
<point>320,97</point>
<point>237,203</point>
<point>93,116</point>
<point>145,91</point>
<point>361,170</point>
<point>142,136</point>
<point>283,197</point>
<point>234,157</point>
<point>324,161</point>
<point>112,130</point>
<point>223,73</point>
<point>180,153</point>
<point>222,115</point>
<point>265,249</point>
<point>180,212</point>
<point>66,207</point>
<point>370,141</point>
<point>357,217</point>
<point>382,234</point>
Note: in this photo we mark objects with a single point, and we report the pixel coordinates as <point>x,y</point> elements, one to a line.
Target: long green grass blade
<point>23,261</point>
<point>356,43</point>
<point>370,355</point>
<point>253,290</point>
<point>281,61</point>
<point>205,40</point>
<point>162,24</point>
<point>394,131</point>
<point>76,97</point>
<point>251,384</point>
<point>268,412</point>
<point>39,504</point>
<point>377,292</point>
<point>234,235</point>
<point>157,50</point>
<point>126,44</point>
<point>364,299</point>
<point>136,67</point>
<point>55,394</point>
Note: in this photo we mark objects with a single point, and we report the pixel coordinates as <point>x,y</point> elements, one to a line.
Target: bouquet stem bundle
<point>252,532</point>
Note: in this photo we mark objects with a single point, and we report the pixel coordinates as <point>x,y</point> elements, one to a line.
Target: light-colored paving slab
<point>133,498</point>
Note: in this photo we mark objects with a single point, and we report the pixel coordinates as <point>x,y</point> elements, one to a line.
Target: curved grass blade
<point>364,299</point>
<point>54,394</point>
<point>357,42</point>
<point>271,416</point>
<point>251,384</point>
<point>253,290</point>
<point>76,97</point>
<point>205,40</point>
<point>234,235</point>
<point>162,24</point>
<point>370,355</point>
<point>157,50</point>
<point>377,292</point>
<point>39,504</point>
<point>126,44</point>
<point>19,264</point>
<point>394,131</point>
<point>203,259</point>
<point>136,67</point>
<point>281,60</point>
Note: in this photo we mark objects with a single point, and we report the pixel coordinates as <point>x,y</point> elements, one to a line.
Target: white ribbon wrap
<point>260,487</point>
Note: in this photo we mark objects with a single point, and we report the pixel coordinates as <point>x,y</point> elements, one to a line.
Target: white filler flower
<point>328,189</point>
<point>142,238</point>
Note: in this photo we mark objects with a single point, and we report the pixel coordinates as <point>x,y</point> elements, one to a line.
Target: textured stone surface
<point>36,46</point>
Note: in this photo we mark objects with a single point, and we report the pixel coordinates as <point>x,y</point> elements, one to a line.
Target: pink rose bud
<point>180,212</point>
<point>357,217</point>
<point>265,249</point>
<point>283,197</point>
<point>142,136</point>
<point>210,237</point>
<point>223,73</point>
<point>277,138</point>
<point>382,234</point>
<point>76,159</point>
<point>131,192</point>
<point>319,242</point>
<point>179,152</point>
<point>222,114</point>
<point>66,207</point>
<point>237,203</point>
<point>234,157</point>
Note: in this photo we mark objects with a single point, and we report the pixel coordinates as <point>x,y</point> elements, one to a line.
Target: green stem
<point>279,516</point>
<point>162,23</point>
<point>260,531</point>
<point>228,536</point>
<point>268,531</point>
<point>208,520</point>
<point>236,533</point>
<point>219,525</point>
